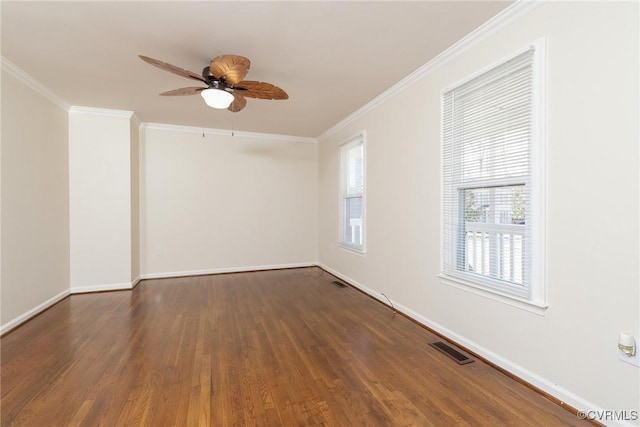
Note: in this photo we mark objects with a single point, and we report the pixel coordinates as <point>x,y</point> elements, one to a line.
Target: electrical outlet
<point>159,250</point>
<point>627,342</point>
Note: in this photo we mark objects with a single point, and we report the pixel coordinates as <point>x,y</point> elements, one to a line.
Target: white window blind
<point>488,124</point>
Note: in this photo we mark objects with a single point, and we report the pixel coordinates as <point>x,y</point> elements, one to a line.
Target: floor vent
<point>339,284</point>
<point>452,352</point>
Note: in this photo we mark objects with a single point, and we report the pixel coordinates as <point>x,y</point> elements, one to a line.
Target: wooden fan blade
<point>232,67</point>
<point>172,68</point>
<point>239,102</point>
<point>261,90</point>
<point>183,91</point>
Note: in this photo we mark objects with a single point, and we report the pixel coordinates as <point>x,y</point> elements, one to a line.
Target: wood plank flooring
<point>272,348</point>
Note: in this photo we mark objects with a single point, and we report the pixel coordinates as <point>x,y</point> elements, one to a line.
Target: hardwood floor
<point>272,348</point>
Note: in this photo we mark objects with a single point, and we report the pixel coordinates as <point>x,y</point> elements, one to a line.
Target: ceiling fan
<point>225,85</point>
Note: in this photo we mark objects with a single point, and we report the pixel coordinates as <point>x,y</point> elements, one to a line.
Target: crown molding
<point>14,71</point>
<point>227,132</point>
<point>501,20</point>
<point>101,111</point>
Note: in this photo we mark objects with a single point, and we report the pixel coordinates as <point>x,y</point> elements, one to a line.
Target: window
<point>352,193</point>
<point>492,234</point>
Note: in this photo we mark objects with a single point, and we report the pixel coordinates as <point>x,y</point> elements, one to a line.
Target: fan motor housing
<point>213,81</point>
<point>206,73</point>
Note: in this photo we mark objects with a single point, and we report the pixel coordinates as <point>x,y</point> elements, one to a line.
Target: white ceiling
<point>331,57</point>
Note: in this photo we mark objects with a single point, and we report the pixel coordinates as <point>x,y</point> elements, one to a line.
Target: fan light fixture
<point>217,98</point>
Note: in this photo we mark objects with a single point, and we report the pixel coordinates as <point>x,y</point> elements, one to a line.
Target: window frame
<point>534,297</point>
<point>344,195</point>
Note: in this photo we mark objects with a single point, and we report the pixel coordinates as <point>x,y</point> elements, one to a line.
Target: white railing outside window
<point>495,250</point>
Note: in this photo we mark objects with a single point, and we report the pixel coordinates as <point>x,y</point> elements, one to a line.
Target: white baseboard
<point>102,288</point>
<point>33,312</point>
<point>106,287</point>
<point>184,273</point>
<point>565,396</point>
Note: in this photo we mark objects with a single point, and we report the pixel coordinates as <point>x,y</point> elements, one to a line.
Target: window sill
<point>352,249</point>
<point>535,307</point>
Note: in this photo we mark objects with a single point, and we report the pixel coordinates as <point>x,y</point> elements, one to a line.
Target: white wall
<point>593,206</point>
<point>226,202</point>
<point>35,201</point>
<point>100,189</point>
